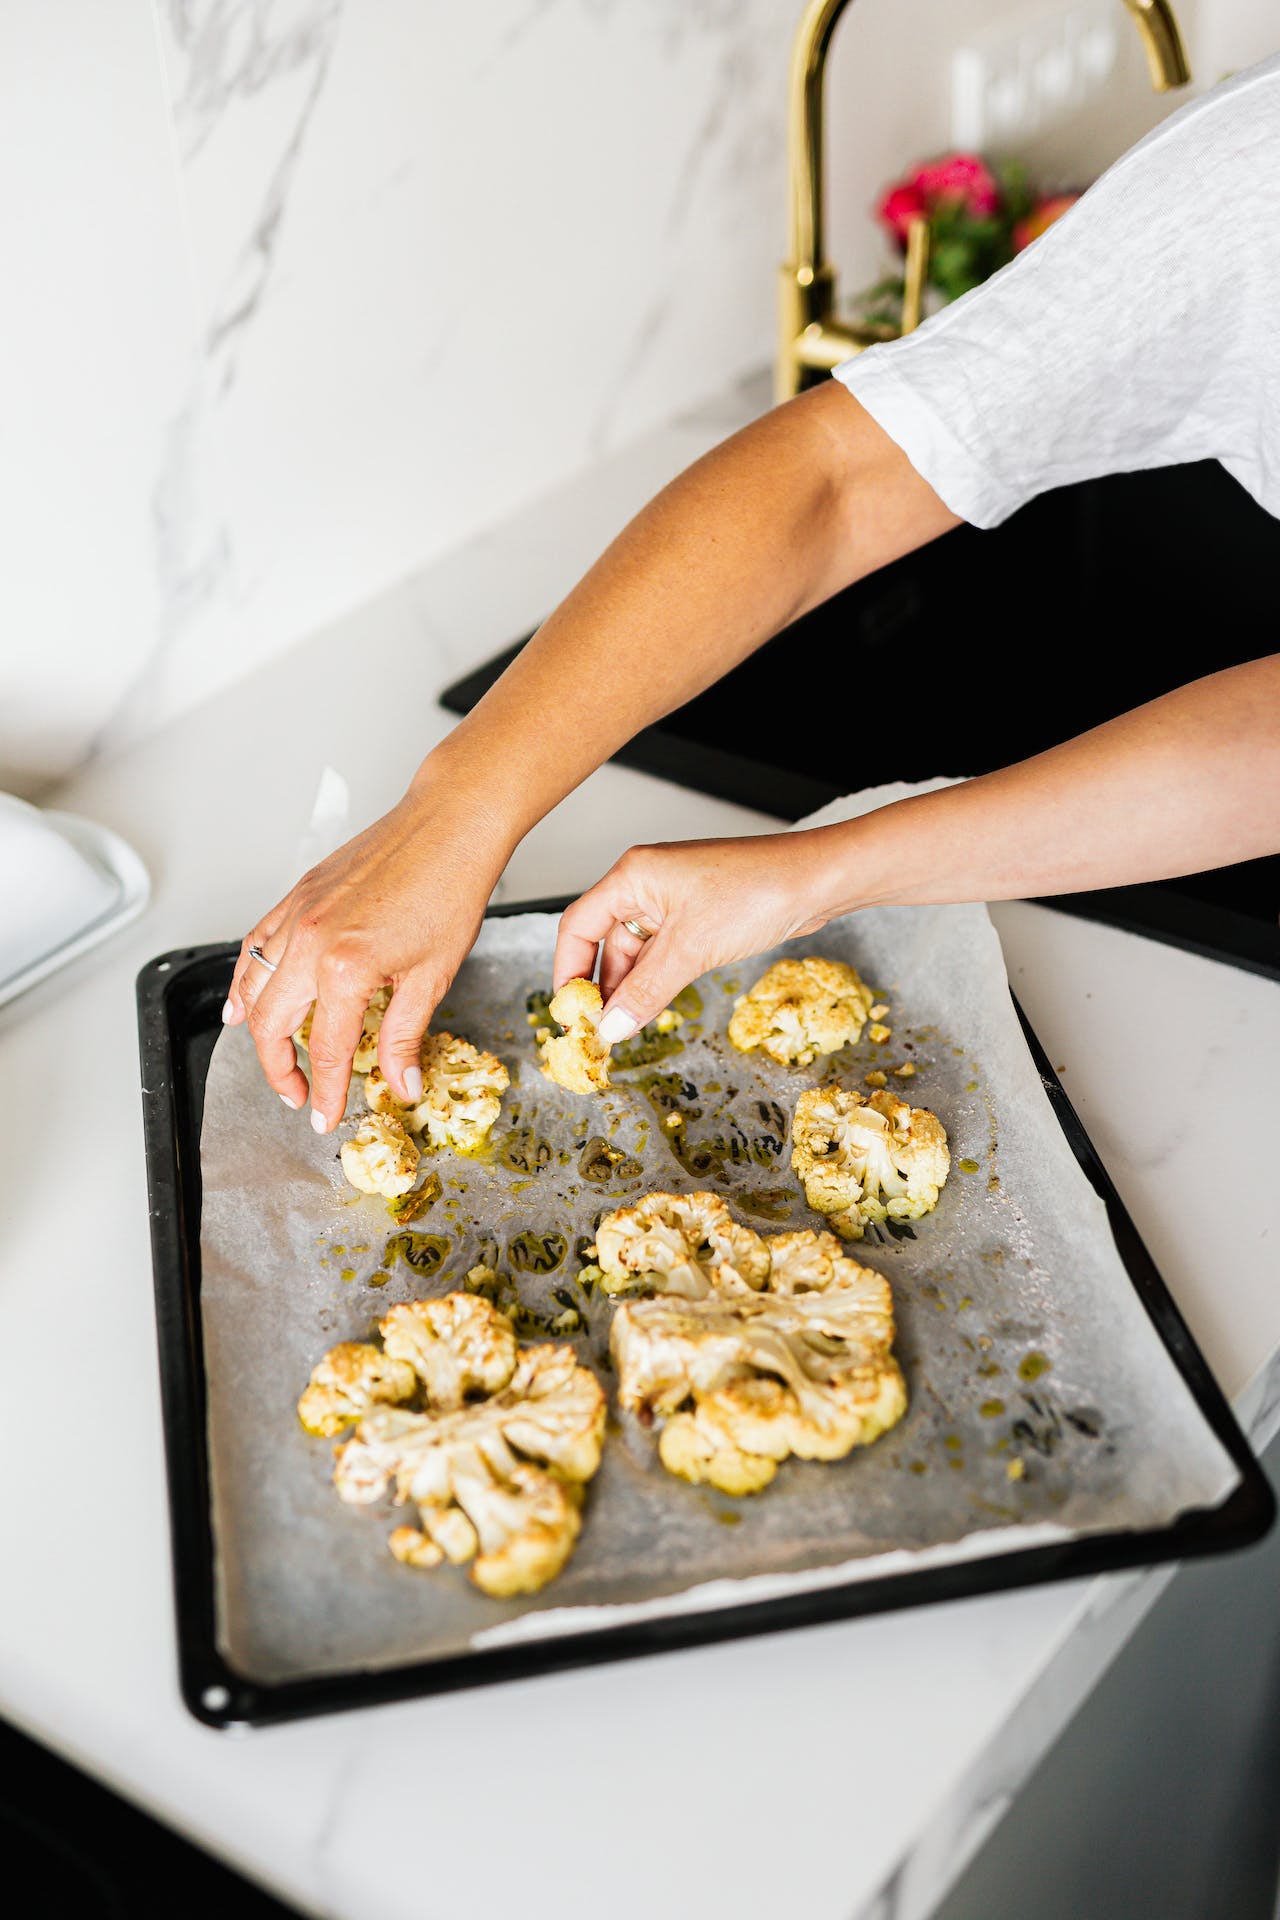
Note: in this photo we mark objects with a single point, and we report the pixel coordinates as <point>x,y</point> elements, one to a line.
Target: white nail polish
<point>319,1122</point>
<point>228,1012</point>
<point>288,1102</point>
<point>616,1026</point>
<point>413,1083</point>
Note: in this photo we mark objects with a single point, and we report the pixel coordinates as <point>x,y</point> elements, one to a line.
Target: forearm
<point>1186,782</point>
<point>783,515</point>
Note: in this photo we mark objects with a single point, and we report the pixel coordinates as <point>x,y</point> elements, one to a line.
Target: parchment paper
<point>1022,1340</point>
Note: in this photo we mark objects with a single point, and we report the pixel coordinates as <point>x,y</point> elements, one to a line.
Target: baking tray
<point>180,996</point>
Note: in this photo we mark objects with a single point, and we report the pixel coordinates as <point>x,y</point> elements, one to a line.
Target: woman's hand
<point>399,905</point>
<point>706,903</point>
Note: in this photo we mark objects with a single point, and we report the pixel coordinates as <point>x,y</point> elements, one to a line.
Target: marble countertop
<point>915,1729</point>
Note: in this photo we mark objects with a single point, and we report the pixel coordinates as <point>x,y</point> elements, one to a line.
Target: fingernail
<point>413,1084</point>
<point>616,1026</point>
<point>228,1012</point>
<point>319,1122</point>
<point>288,1102</point>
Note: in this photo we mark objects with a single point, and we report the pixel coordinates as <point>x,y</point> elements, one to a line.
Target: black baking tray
<point>180,996</point>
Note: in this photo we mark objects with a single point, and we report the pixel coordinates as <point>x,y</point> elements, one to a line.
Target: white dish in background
<point>66,883</point>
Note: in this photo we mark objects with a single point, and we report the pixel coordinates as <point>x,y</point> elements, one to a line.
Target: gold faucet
<point>811,339</point>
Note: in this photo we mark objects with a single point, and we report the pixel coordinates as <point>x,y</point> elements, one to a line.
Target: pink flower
<point>1041,217</point>
<point>961,178</point>
<point>900,206</point>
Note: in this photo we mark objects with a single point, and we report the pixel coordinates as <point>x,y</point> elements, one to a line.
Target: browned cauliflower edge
<point>496,1455</point>
<point>800,1008</point>
<point>863,1159</point>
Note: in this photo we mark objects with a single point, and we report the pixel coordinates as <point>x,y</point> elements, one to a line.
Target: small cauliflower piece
<point>380,1157</point>
<point>498,1478</point>
<point>379,1098</point>
<point>527,1525</point>
<point>867,1159</point>
<point>456,1346</point>
<point>803,1367</point>
<point>366,1053</point>
<point>462,1089</point>
<point>680,1243</point>
<point>349,1380</point>
<point>800,1008</point>
<point>577,1059</point>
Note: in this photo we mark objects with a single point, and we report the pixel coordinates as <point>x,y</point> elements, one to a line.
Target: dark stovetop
<point>986,647</point>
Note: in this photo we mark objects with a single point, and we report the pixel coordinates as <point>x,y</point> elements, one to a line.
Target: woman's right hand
<point>399,905</point>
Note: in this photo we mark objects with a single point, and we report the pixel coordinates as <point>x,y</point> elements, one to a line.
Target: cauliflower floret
<point>456,1346</point>
<point>799,1008</point>
<point>462,1090</point>
<point>527,1525</point>
<point>576,1059</point>
<point>802,1367</point>
<point>380,1157</point>
<point>871,1159</point>
<point>366,1054</point>
<point>498,1478</point>
<point>347,1382</point>
<point>686,1243</point>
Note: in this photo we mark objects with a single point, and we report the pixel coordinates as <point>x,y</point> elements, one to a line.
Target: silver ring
<point>639,929</point>
<point>256,953</point>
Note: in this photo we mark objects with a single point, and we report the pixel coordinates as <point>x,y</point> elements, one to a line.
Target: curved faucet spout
<point>810,337</point>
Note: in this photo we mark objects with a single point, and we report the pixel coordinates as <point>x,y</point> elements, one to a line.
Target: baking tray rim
<point>221,1697</point>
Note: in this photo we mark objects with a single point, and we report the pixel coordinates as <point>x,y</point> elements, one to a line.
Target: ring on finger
<point>636,927</point>
<point>256,953</point>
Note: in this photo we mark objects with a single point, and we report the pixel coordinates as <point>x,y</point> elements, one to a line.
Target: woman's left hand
<point>705,903</point>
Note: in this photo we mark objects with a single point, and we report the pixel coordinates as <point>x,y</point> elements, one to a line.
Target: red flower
<point>1041,217</point>
<point>961,178</point>
<point>900,206</point>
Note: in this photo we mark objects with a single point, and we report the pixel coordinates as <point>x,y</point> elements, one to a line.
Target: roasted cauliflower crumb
<point>800,1008</point>
<point>576,1059</point>
<point>380,1157</point>
<point>496,1480</point>
<point>871,1159</point>
<point>679,1243</point>
<point>803,1366</point>
<point>347,1382</point>
<point>462,1089</point>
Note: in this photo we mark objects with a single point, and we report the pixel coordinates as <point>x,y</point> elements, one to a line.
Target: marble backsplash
<point>305,293</point>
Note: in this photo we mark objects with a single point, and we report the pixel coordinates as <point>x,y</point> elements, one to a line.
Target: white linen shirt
<point>1142,330</point>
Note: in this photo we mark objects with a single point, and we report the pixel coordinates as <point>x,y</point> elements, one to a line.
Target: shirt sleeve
<point>1137,332</point>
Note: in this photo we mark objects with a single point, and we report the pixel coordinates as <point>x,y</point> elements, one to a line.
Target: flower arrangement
<point>979,217</point>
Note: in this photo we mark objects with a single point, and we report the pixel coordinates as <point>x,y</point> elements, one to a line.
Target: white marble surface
<point>915,1729</point>
<point>301,294</point>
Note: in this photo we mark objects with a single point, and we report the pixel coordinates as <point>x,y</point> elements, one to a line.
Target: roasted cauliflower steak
<point>800,1008</point>
<point>496,1457</point>
<point>462,1089</point>
<point>801,1365</point>
<point>576,1059</point>
<point>681,1243</point>
<point>867,1159</point>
